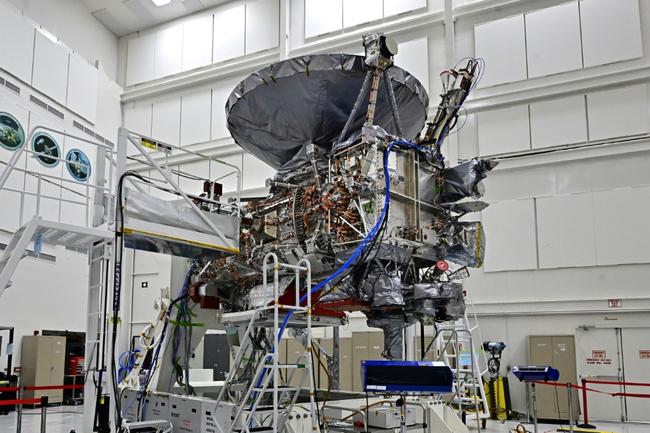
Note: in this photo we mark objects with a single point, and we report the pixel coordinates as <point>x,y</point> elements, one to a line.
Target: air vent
<point>2,81</point>
<point>110,143</point>
<point>100,138</point>
<point>89,132</point>
<point>46,107</point>
<point>38,102</point>
<point>54,111</point>
<point>77,125</point>
<point>11,86</point>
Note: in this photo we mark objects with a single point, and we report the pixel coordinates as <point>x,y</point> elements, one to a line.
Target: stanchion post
<point>568,389</point>
<point>43,413</point>
<point>585,413</point>
<point>19,410</point>
<point>534,398</point>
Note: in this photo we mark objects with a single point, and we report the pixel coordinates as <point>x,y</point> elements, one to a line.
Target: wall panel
<point>168,51</point>
<point>229,37</point>
<point>502,43</point>
<point>166,120</point>
<point>50,75</point>
<point>410,57</point>
<point>262,25</point>
<point>559,50</point>
<point>322,17</point>
<point>357,12</point>
<point>217,171</point>
<point>558,121</point>
<point>140,59</point>
<point>510,226</point>
<point>197,43</point>
<point>137,118</point>
<point>82,88</point>
<point>566,231</point>
<point>17,36</point>
<point>618,112</point>
<point>255,172</point>
<point>109,110</point>
<point>611,31</point>
<point>503,130</point>
<point>395,7</point>
<point>220,95</point>
<point>196,116</point>
<point>621,219</point>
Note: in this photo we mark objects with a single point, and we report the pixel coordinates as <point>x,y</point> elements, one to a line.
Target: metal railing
<point>91,194</point>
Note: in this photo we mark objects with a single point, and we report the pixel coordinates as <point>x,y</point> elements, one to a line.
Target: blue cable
<point>371,235</point>
<point>401,143</point>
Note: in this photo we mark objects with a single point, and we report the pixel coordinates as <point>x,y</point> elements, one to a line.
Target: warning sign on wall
<point>598,354</point>
<point>598,357</point>
<point>644,354</point>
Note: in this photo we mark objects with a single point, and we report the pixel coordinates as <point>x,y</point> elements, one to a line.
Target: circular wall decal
<point>12,135</point>
<point>78,165</point>
<point>46,149</point>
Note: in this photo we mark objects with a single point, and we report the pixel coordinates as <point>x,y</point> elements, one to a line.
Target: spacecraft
<point>362,190</point>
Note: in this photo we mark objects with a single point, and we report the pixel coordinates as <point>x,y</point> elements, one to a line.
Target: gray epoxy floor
<point>66,418</point>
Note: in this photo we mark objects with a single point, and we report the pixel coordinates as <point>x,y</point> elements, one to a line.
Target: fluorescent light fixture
<point>48,35</point>
<point>161,2</point>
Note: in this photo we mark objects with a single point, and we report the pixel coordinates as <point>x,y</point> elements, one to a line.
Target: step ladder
<point>40,231</point>
<point>459,345</point>
<point>256,372</point>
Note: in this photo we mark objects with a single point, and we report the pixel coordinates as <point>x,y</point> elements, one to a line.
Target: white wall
<point>71,22</point>
<point>567,112</point>
<point>45,295</point>
<point>74,97</point>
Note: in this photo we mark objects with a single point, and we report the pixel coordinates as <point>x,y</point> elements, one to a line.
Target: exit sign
<point>615,303</point>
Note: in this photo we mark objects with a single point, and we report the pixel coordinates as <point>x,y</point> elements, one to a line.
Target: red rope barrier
<point>9,389</point>
<point>50,387</point>
<point>15,402</point>
<point>630,394</point>
<point>585,388</point>
<point>611,382</point>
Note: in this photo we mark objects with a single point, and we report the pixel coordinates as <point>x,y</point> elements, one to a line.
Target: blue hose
<point>360,248</point>
<point>369,237</point>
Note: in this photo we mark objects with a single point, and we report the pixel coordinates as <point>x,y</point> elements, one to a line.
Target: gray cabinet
<point>42,362</point>
<point>558,351</point>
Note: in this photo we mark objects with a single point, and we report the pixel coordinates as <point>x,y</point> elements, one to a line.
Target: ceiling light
<point>161,2</point>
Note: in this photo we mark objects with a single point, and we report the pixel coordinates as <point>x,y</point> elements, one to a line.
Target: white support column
<point>450,147</point>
